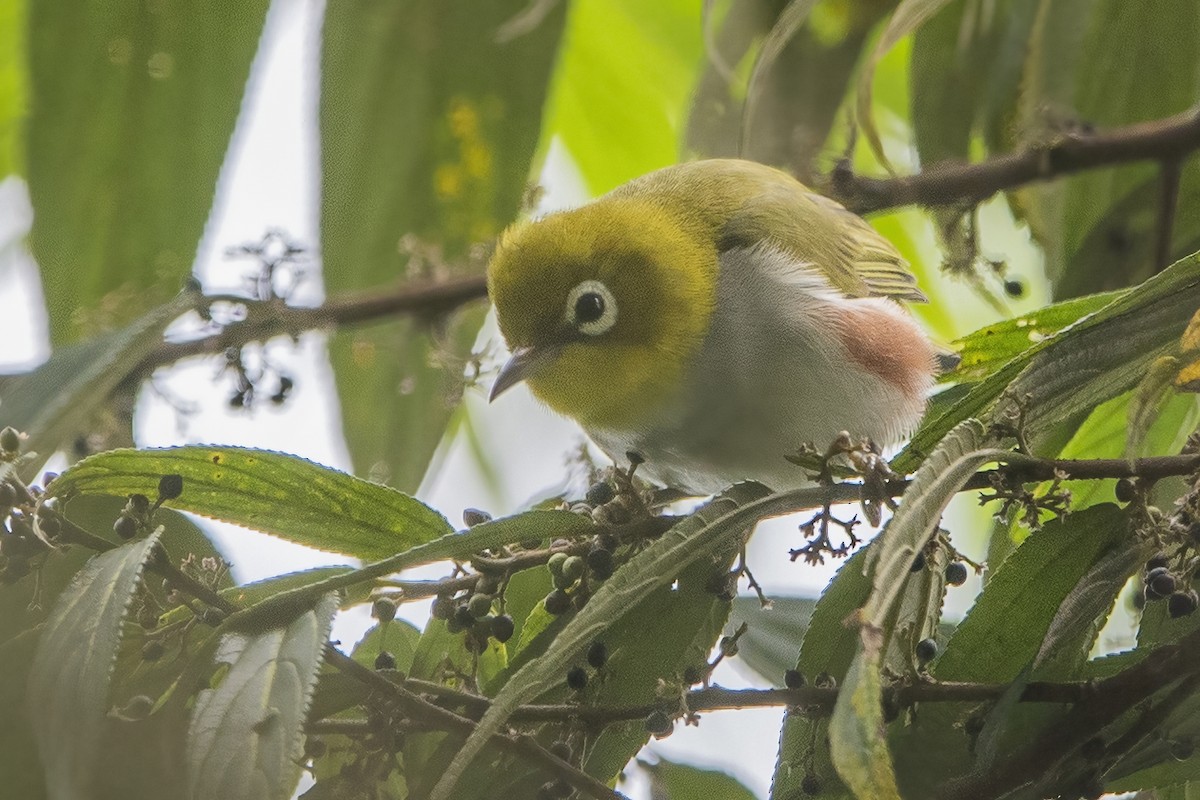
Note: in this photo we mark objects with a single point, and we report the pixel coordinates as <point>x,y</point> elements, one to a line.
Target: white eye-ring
<point>591,308</point>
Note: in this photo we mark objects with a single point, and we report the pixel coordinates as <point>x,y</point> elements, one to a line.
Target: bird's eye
<point>591,308</point>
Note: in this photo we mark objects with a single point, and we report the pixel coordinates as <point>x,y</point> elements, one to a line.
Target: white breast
<point>772,374</point>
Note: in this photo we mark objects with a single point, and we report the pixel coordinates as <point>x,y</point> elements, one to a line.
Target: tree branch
<point>1172,138</point>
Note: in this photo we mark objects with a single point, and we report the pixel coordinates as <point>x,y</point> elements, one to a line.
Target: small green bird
<point>712,317</point>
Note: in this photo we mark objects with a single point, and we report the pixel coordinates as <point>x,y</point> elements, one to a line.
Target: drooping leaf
<point>132,109</point>
<point>54,403</point>
<point>412,189</point>
<point>245,738</point>
<point>272,492</point>
<point>69,680</point>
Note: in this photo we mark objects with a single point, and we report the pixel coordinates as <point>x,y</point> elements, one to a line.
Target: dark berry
<point>918,563</point>
<point>170,487</point>
<point>811,785</point>
<point>1126,490</point>
<point>1160,583</point>
<point>927,650</point>
<point>443,608</point>
<point>139,503</point>
<point>503,628</point>
<point>577,678</point>
<point>794,679</point>
<point>601,562</point>
<point>1014,288</point>
<point>463,616</point>
<point>453,625</point>
<point>1182,749</point>
<point>956,573</point>
<point>125,527</point>
<point>561,749</point>
<point>10,440</point>
<point>384,609</point>
<point>557,602</point>
<point>1181,604</point>
<point>473,516</point>
<point>692,675</point>
<point>487,584</point>
<point>153,650</point>
<point>600,493</point>
<point>658,723</point>
<point>597,654</point>
<point>1158,561</point>
<point>728,646</point>
<point>385,660</point>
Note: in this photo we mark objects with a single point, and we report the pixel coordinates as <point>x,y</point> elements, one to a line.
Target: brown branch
<point>519,744</point>
<point>1111,697</point>
<point>270,319</point>
<point>1172,138</point>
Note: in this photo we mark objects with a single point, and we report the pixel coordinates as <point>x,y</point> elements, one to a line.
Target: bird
<point>712,317</point>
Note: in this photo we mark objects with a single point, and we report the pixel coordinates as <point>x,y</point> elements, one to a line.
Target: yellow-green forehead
<point>620,243</point>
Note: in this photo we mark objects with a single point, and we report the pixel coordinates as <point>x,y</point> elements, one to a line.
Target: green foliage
<point>136,669</point>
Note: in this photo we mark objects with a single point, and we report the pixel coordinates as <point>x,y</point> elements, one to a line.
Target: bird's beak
<point>523,362</point>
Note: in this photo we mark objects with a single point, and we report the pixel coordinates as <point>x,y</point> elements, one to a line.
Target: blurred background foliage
<point>436,118</point>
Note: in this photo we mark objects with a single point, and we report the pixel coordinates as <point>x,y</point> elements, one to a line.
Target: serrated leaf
<point>69,681</point>
<point>55,402</point>
<point>245,738</point>
<point>1003,633</point>
<point>955,460</point>
<point>1098,357</point>
<point>986,350</point>
<point>132,110</point>
<point>656,566</point>
<point>276,493</point>
<point>857,740</point>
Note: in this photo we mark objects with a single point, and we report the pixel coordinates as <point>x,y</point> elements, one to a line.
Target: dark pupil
<point>589,307</point>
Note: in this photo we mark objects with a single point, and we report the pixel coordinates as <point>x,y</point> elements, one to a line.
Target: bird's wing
<point>851,255</point>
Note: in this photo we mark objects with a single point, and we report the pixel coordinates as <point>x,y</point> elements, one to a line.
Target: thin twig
<point>524,746</point>
<point>949,184</point>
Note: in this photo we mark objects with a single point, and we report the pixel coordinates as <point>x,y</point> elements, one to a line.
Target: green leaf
<point>908,17</point>
<point>19,761</point>
<point>1090,62</point>
<point>1097,358</point>
<point>616,124</point>
<point>272,492</point>
<point>132,109</point>
<point>245,739</point>
<point>1005,630</point>
<point>986,350</point>
<point>672,781</point>
<point>55,403</point>
<point>947,469</point>
<point>771,645</point>
<point>69,681</point>
<point>966,66</point>
<point>656,566</point>
<point>857,740</point>
<point>438,167</point>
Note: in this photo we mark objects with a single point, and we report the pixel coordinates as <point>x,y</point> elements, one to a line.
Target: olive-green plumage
<point>713,316</point>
